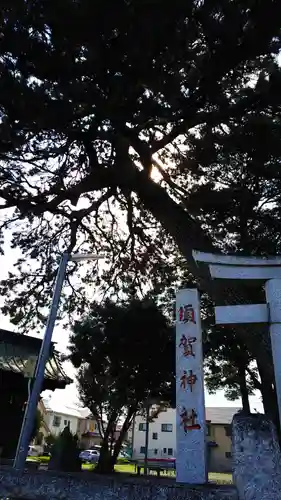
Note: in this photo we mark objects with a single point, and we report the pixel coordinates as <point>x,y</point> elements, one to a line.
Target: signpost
<point>266,271</point>
<point>191,464</point>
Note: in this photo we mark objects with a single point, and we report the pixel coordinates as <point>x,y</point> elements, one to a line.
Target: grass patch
<point>220,478</point>
<point>127,468</point>
<point>44,459</point>
<point>214,477</point>
<point>41,460</point>
<point>123,460</point>
<point>88,467</point>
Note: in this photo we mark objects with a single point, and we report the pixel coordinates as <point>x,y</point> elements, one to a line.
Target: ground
<point>130,469</point>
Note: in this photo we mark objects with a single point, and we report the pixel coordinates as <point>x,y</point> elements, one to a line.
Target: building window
<point>228,454</point>
<point>142,449</point>
<point>228,430</point>
<point>208,430</point>
<point>170,451</point>
<point>142,427</point>
<point>164,450</point>
<point>67,423</point>
<point>154,435</point>
<point>167,427</point>
<point>56,421</point>
<point>155,451</point>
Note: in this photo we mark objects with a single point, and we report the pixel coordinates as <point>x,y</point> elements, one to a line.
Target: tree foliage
<point>85,104</point>
<point>147,132</point>
<point>37,425</point>
<point>65,453</point>
<point>124,355</point>
<point>50,440</point>
<point>230,366</point>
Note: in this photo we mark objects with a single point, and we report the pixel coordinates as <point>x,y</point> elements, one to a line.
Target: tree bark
<point>269,398</point>
<point>123,432</point>
<point>268,393</point>
<point>244,390</point>
<point>105,465</point>
<point>108,459</point>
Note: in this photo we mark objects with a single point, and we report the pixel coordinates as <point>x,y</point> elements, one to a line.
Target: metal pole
<point>146,438</point>
<point>133,435</point>
<point>31,407</point>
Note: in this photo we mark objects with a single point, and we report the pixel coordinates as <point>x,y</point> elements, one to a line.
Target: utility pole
<point>133,434</point>
<point>31,407</point>
<point>146,437</point>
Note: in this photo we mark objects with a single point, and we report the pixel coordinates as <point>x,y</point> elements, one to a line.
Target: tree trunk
<point>123,432</point>
<point>244,390</point>
<point>105,464</point>
<point>269,398</point>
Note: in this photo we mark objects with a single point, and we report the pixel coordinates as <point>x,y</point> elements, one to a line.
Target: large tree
<point>125,356</point>
<point>229,366</point>
<point>112,114</point>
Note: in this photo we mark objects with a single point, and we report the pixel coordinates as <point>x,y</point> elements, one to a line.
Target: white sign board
<point>191,464</point>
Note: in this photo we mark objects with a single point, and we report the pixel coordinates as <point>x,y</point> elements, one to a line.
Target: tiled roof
<point>17,350</point>
<point>72,411</point>
<point>221,415</point>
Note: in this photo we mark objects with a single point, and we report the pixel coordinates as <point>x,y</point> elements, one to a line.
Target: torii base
<point>256,458</point>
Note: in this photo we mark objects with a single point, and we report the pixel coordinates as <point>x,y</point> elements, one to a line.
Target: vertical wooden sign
<point>191,466</point>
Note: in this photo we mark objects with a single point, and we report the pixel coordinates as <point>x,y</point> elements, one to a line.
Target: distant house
<point>162,436</point>
<point>219,438</point>
<point>44,431</point>
<point>79,420</point>
<point>59,416</point>
<point>89,432</point>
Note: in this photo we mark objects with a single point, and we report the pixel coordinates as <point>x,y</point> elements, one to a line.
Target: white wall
<point>164,440</point>
<point>63,419</point>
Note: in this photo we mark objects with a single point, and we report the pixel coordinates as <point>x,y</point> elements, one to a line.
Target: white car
<point>91,456</point>
<point>32,451</point>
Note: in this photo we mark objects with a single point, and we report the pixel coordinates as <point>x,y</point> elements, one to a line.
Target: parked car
<point>124,455</point>
<point>32,451</point>
<point>91,456</point>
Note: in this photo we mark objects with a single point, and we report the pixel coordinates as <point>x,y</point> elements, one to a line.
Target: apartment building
<point>162,436</point>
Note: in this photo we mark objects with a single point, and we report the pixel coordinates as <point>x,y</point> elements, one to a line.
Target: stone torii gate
<point>267,273</point>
